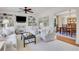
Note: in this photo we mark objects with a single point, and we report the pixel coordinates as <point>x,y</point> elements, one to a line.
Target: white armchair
<point>47,34</point>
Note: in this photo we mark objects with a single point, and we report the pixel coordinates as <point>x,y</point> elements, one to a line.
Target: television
<point>20,19</point>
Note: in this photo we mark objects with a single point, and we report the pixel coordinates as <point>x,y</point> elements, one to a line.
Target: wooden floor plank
<point>68,40</point>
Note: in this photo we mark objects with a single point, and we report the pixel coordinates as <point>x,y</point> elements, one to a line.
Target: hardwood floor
<point>68,40</point>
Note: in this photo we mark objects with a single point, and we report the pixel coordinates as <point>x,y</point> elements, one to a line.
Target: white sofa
<point>10,34</point>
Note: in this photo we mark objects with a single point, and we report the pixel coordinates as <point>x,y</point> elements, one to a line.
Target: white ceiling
<point>36,10</point>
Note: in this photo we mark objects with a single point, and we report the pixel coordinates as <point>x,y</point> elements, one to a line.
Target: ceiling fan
<point>26,9</point>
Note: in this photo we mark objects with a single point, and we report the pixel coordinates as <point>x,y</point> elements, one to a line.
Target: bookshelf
<point>31,21</point>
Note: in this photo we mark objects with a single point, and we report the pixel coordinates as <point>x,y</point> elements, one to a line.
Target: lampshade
<point>41,24</point>
<point>5,21</point>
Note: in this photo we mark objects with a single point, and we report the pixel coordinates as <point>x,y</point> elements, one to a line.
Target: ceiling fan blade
<point>30,11</point>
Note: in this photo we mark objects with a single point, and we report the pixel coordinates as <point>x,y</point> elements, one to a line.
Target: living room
<point>38,28</point>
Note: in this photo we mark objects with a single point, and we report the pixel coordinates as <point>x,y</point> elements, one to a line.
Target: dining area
<point>69,28</point>
<point>66,26</point>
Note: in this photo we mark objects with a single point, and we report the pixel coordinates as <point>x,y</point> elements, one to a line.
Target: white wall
<point>51,20</point>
